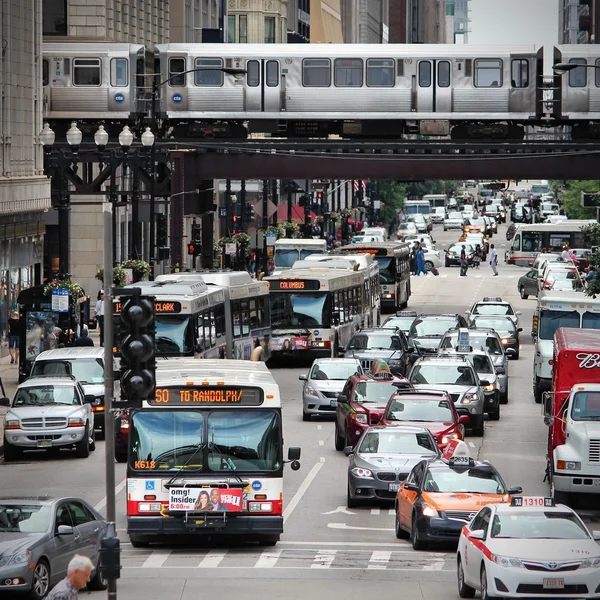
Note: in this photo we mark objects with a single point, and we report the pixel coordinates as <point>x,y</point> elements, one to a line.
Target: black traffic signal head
<point>162,230</point>
<point>319,196</point>
<point>194,248</point>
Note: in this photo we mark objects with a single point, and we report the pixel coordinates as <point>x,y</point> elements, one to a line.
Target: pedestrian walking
<point>79,573</point>
<point>100,315</point>
<point>14,337</point>
<point>421,262</point>
<point>84,339</point>
<point>494,260</point>
<point>464,263</point>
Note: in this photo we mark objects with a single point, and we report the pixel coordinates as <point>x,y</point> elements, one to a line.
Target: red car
<point>433,410</point>
<point>362,404</point>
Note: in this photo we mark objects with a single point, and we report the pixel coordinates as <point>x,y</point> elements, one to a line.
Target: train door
<point>522,96</point>
<point>434,90</point>
<point>263,86</point>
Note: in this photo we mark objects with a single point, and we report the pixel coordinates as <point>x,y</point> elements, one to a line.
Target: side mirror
<point>596,535</point>
<point>464,419</point>
<point>294,453</point>
<point>484,382</point>
<point>514,490</point>
<point>467,312</point>
<point>519,329</point>
<point>302,377</point>
<point>89,399</point>
<point>341,350</point>
<point>500,371</point>
<point>348,450</point>
<point>65,530</point>
<point>342,398</point>
<point>518,313</point>
<point>411,487</point>
<point>4,402</point>
<point>478,534</point>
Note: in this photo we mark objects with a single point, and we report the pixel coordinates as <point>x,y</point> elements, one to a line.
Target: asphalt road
<point>326,548</point>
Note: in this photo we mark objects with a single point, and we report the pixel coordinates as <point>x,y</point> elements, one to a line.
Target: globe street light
<point>101,138</point>
<point>47,136</point>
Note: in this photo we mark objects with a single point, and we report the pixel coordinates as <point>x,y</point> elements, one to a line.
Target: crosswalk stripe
<point>212,559</point>
<point>392,512</point>
<point>379,560</point>
<point>267,559</point>
<point>375,511</point>
<point>324,559</point>
<point>156,559</point>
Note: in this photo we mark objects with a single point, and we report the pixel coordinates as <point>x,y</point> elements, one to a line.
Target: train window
<point>45,72</point>
<point>253,75</point>
<point>424,73</point>
<point>380,72</point>
<point>86,71</point>
<point>118,72</point>
<point>272,73</point>
<point>316,72</point>
<point>348,72</point>
<point>176,69</point>
<point>209,75</point>
<point>443,75</point>
<point>578,77</point>
<point>488,72</point>
<point>520,73</point>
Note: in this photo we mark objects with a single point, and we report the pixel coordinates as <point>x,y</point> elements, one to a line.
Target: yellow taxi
<point>440,496</point>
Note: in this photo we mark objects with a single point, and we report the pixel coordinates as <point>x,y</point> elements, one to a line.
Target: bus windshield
<point>551,320</point>
<point>174,334</point>
<point>285,258</point>
<point>387,269</point>
<point>300,310</point>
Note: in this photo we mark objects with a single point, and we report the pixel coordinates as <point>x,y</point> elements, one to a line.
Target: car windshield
<point>387,270</point>
<point>501,325</point>
<point>488,344</point>
<point>389,442</point>
<point>530,525</point>
<point>86,371</point>
<point>493,309</point>
<point>373,392</point>
<point>437,374</point>
<point>44,395</point>
<point>174,334</point>
<point>375,342</point>
<point>24,518</point>
<point>431,327</point>
<point>551,320</point>
<point>339,371</point>
<point>402,323</point>
<point>561,274</point>
<point>481,363</point>
<point>285,258</point>
<point>457,249</point>
<point>586,406</point>
<point>407,409</point>
<point>469,481</point>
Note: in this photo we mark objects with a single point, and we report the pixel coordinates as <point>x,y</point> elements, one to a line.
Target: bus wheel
<point>268,540</point>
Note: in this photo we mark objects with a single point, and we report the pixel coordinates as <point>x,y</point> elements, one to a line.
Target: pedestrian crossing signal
<point>193,249</point>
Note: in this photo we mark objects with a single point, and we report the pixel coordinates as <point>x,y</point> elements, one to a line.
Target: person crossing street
<point>494,260</point>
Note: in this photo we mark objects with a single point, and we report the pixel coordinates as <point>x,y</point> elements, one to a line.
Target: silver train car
<point>304,90</point>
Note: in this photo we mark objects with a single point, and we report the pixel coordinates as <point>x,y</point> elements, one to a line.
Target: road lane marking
<point>472,444</point>
<point>118,489</point>
<point>392,512</point>
<point>319,427</point>
<point>267,559</point>
<point>437,565</point>
<point>375,511</point>
<point>339,509</point>
<point>324,559</point>
<point>379,560</point>
<point>212,559</point>
<point>322,459</point>
<point>321,443</point>
<point>349,544</point>
<point>344,526</point>
<point>302,490</point>
<point>156,560</point>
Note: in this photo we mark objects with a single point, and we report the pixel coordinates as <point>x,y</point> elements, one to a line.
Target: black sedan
<point>38,538</point>
<point>506,329</point>
<point>453,254</point>
<point>528,284</point>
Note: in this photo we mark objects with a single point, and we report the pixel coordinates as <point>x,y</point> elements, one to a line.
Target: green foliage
<point>419,189</point>
<point>392,196</point>
<point>571,197</point>
<point>591,234</point>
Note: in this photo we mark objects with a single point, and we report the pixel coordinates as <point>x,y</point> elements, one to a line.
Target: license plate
<point>333,403</point>
<point>393,487</point>
<point>44,443</point>
<point>553,584</point>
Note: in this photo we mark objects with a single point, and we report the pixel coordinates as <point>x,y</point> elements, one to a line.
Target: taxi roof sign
<point>406,313</point>
<point>464,343</point>
<point>490,299</point>
<point>457,454</point>
<point>532,501</point>
<point>380,369</point>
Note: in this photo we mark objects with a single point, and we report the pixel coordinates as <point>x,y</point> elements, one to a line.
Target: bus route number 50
<point>161,396</point>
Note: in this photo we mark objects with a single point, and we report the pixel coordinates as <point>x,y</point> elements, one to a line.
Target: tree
<point>591,234</point>
<point>392,196</point>
<point>571,197</point>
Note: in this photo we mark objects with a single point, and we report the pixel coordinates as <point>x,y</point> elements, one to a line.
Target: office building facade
<point>417,22</point>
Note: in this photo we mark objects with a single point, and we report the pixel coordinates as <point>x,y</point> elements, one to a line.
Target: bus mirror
<point>548,421</point>
<point>295,466</point>
<point>294,453</point>
<point>547,404</point>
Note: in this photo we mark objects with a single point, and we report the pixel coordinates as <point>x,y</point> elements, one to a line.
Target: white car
<point>420,223</point>
<point>438,215</point>
<point>48,413</point>
<point>454,220</point>
<point>528,548</point>
<point>495,307</point>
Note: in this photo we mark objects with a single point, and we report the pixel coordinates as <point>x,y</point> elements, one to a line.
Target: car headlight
<point>75,422</point>
<point>588,563</point>
<point>361,418</point>
<point>447,438</point>
<point>470,397</point>
<point>12,424</point>
<point>507,561</point>
<point>394,363</point>
<point>509,340</point>
<point>16,559</point>
<point>430,511</point>
<point>310,391</point>
<point>360,472</point>
<point>568,465</point>
<point>489,388</point>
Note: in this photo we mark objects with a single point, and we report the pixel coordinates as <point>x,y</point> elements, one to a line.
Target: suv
<point>457,376</point>
<point>427,331</point>
<point>48,413</point>
<point>87,366</point>
<point>389,345</point>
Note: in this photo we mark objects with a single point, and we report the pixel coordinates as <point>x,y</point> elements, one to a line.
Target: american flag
<point>357,183</point>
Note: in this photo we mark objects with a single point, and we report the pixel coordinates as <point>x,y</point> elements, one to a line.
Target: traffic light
<point>250,213</point>
<point>162,231</point>
<point>194,248</point>
<point>319,197</point>
<point>110,557</point>
<point>136,341</point>
<point>196,231</point>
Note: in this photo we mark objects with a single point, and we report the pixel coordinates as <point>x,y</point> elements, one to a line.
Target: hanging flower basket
<point>335,216</point>
<point>140,268</point>
<point>241,239</point>
<point>75,290</point>
<point>292,230</point>
<point>346,213</point>
<point>119,276</point>
<point>277,230</point>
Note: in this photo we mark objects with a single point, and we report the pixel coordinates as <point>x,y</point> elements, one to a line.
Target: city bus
<point>288,251</point>
<point>190,318</point>
<point>205,455</point>
<point>393,259</point>
<point>314,311</point>
<point>247,318</point>
<point>530,240</point>
<point>363,263</point>
<point>436,200</point>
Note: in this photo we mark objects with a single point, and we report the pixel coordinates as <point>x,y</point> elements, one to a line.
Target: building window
<point>231,29</point>
<point>86,71</point>
<point>380,72</point>
<point>488,72</point>
<point>55,17</point>
<point>269,30</point>
<point>272,73</point>
<point>243,23</point>
<point>209,75</point>
<point>578,77</point>
<point>118,72</point>
<point>520,73</point>
<point>253,75</point>
<point>424,73</point>
<point>348,72</point>
<point>443,76</point>
<point>316,72</point>
<point>45,72</point>
<point>176,69</point>
<point>204,13</point>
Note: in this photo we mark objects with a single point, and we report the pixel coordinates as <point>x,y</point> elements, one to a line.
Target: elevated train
<point>291,90</point>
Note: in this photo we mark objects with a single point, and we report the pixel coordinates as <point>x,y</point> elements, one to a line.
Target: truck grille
<point>594,453</point>
<point>461,515</point>
<point>44,422</point>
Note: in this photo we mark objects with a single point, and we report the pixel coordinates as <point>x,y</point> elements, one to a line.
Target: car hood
<point>390,462</point>
<point>375,353</point>
<point>13,542</point>
<point>93,389</point>
<point>54,410</point>
<point>427,343</point>
<point>545,549</point>
<point>437,428</point>
<point>327,385</point>
<point>451,389</point>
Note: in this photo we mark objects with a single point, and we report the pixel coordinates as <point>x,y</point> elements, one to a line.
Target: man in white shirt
<point>565,254</point>
<point>100,316</point>
<point>494,260</point>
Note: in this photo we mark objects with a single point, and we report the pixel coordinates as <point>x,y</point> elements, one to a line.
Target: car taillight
<point>124,424</point>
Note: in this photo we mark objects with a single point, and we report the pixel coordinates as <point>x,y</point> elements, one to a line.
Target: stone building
<point>418,22</point>
<point>366,21</point>
<point>24,189</point>
<point>254,22</point>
